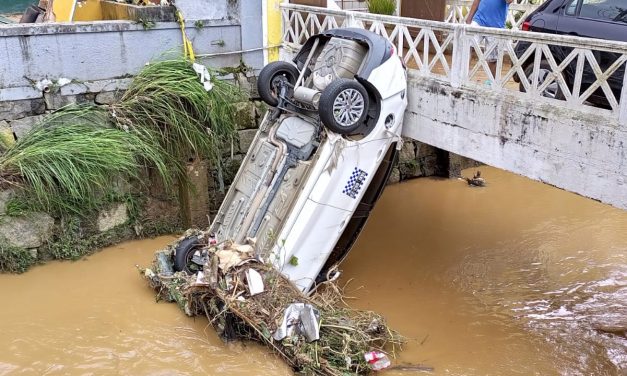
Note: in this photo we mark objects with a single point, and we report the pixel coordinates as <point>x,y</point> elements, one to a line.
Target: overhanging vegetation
<point>67,163</point>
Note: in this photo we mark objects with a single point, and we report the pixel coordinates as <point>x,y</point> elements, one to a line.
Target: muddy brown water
<point>517,278</point>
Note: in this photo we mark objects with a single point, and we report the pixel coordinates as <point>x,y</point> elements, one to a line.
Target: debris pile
<point>476,181</point>
<point>244,298</point>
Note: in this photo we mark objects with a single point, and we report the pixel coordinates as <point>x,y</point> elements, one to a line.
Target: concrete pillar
<point>457,163</point>
<point>272,29</point>
<point>252,35</point>
<point>194,198</point>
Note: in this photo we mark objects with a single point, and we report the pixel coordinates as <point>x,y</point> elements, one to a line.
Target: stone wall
<point>417,159</point>
<point>157,212</point>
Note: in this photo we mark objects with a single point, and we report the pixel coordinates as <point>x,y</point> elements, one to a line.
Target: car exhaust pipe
<point>307,95</point>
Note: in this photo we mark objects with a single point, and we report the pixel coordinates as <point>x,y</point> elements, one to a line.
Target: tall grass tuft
<point>385,7</point>
<point>166,104</point>
<point>69,159</point>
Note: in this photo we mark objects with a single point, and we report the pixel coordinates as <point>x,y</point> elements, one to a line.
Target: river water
<point>517,278</point>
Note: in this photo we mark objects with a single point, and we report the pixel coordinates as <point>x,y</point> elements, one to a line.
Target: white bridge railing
<point>577,68</point>
<point>457,10</point>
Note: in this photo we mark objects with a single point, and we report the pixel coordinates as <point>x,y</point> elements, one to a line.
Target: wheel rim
<point>348,107</point>
<point>551,90</point>
<point>189,264</point>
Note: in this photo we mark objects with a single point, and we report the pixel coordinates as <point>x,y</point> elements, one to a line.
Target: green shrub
<point>385,7</point>
<point>14,259</point>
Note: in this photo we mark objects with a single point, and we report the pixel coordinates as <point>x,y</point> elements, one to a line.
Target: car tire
<point>278,70</point>
<point>553,90</point>
<point>184,251</point>
<point>343,106</point>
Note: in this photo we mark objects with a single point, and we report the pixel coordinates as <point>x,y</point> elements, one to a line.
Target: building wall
<point>88,10</point>
<point>45,66</point>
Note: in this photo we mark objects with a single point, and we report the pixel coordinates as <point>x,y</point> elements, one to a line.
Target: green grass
<point>66,162</point>
<point>386,7</point>
<point>19,206</point>
<point>167,104</point>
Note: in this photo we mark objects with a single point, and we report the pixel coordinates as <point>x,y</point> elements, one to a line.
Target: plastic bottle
<point>377,360</point>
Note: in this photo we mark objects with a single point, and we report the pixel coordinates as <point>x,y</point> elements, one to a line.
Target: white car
<point>320,159</point>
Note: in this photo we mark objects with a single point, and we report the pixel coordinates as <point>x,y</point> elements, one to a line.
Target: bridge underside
<point>581,151</point>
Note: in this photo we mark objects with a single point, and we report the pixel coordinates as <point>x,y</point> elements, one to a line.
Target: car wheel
<point>269,78</point>
<point>184,254</point>
<point>343,105</point>
<point>553,90</point>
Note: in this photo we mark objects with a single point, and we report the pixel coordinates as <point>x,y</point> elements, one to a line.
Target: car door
<point>601,19</point>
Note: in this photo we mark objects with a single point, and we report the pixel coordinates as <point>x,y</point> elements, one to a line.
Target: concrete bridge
<point>457,104</point>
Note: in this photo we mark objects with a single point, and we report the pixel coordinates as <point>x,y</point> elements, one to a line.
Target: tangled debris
<point>317,334</point>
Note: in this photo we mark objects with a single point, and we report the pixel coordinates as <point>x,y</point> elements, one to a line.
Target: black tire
<point>341,96</point>
<point>184,252</point>
<point>553,90</point>
<point>278,70</point>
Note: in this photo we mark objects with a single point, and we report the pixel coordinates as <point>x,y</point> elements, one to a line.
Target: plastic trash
<point>164,264</point>
<point>203,76</point>
<point>255,282</point>
<point>299,318</point>
<point>200,279</point>
<point>377,360</point>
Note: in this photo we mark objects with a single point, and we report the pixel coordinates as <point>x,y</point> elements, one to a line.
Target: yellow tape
<point>188,49</point>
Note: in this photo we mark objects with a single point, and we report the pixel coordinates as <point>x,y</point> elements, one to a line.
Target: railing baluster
<point>622,109</point>
<point>425,53</point>
<point>581,59</point>
<point>456,66</point>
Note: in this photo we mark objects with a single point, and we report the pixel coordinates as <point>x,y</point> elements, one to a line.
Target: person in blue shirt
<point>489,13</point>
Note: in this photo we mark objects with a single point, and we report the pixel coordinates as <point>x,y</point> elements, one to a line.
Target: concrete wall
<point>577,150</point>
<point>76,62</point>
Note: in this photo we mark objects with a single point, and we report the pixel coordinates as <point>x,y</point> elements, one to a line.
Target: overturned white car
<point>320,160</point>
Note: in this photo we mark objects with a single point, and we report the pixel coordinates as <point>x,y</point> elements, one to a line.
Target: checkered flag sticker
<point>355,182</point>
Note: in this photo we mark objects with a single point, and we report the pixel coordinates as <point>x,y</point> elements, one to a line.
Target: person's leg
<point>490,50</point>
<point>492,65</point>
<point>492,54</point>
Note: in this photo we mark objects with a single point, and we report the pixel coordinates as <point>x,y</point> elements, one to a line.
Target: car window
<point>571,9</point>
<point>606,10</point>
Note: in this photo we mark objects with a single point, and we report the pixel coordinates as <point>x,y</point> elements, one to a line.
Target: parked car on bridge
<point>320,159</point>
<point>602,19</point>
